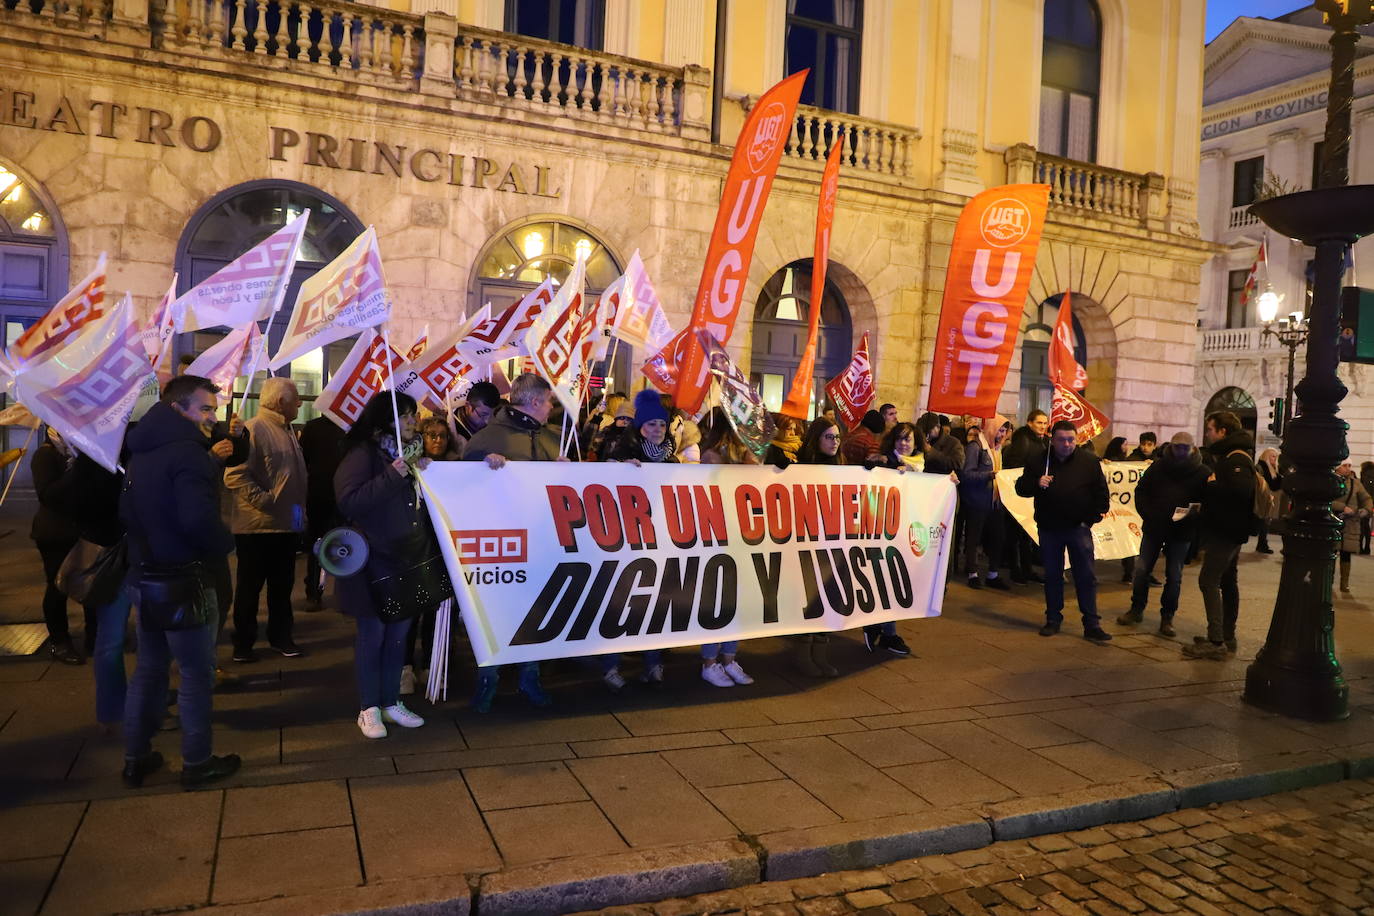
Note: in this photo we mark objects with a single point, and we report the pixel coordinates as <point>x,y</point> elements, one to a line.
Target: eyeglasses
<point>436,435</point>
<point>830,437</point>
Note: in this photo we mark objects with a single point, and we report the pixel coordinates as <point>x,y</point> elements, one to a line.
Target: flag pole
<point>391,383</point>
<point>15,473</point>
<point>252,371</point>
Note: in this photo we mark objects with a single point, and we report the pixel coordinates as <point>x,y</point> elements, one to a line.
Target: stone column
<point>1281,158</point>
<point>696,103</point>
<point>441,32</point>
<point>959,140</point>
<point>1213,204</point>
<point>129,24</point>
<point>1154,205</point>
<point>1020,163</point>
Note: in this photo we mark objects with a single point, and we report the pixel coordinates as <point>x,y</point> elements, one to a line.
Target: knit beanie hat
<point>648,407</point>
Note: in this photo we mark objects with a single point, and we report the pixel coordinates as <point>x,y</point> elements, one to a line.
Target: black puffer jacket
<point>89,495</point>
<point>170,502</point>
<point>51,523</point>
<point>1076,496</point>
<point>1166,485</point>
<point>1024,443</point>
<point>1228,501</point>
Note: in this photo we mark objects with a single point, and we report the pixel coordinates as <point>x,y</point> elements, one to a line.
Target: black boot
<point>136,768</point>
<point>213,769</point>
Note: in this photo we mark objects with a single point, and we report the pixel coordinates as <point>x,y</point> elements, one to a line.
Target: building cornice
<point>1236,35</point>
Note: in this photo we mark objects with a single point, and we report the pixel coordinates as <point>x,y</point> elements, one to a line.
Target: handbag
<point>180,597</point>
<point>91,574</point>
<point>416,586</point>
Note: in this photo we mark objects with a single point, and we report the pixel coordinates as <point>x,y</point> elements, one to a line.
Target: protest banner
<point>551,560</point>
<point>758,151</point>
<point>344,297</point>
<point>1117,535</point>
<point>991,259</point>
<point>87,388</point>
<point>852,390</point>
<point>84,303</point>
<point>798,402</point>
<point>247,289</point>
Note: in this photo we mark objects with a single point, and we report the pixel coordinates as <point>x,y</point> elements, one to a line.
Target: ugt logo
<point>1005,223</point>
<point>769,134</point>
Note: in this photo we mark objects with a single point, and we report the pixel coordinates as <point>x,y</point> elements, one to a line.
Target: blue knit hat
<point>648,407</point>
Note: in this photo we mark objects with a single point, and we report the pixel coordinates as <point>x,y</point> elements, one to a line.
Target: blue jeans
<point>651,657</point>
<point>146,704</point>
<point>1078,541</point>
<point>379,651</point>
<point>107,660</point>
<point>712,649</point>
<point>1175,553</point>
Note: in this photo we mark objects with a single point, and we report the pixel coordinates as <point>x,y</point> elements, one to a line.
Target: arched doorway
<point>235,220</point>
<point>525,254</point>
<point>1037,391</point>
<point>1239,402</point>
<point>781,319</point>
<point>33,276</point>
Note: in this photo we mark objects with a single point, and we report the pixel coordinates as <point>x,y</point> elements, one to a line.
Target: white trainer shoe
<point>652,675</point>
<point>407,680</point>
<point>399,715</point>
<point>737,674</point>
<point>370,723</point>
<point>614,681</point>
<point>714,673</point>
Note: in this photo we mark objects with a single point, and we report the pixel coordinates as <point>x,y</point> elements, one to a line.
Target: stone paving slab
<point>986,727</point>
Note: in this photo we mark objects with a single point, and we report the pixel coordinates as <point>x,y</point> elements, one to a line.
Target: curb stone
<point>1250,779</point>
<point>443,896</point>
<point>1136,800</point>
<point>571,885</point>
<point>1359,762</point>
<point>840,847</point>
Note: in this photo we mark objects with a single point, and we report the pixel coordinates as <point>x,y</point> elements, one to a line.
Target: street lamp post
<point>1291,332</point>
<point>1296,673</point>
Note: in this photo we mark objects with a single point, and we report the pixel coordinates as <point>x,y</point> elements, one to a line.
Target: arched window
<point>1070,73</point>
<point>523,256</point>
<point>1239,402</point>
<point>237,219</point>
<point>781,319</point>
<point>1037,392</point>
<point>825,36</point>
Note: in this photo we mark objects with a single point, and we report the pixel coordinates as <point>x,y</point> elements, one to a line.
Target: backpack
<point>1264,499</point>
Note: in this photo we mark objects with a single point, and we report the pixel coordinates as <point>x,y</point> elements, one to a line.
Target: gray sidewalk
<point>987,730</point>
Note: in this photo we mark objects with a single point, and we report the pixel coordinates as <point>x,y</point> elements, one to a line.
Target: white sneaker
<point>714,673</point>
<point>613,680</point>
<point>737,674</point>
<point>399,715</point>
<point>370,723</point>
<point>407,681</point>
<point>652,675</point>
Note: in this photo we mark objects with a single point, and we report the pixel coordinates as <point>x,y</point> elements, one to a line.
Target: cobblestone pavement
<point>1308,852</point>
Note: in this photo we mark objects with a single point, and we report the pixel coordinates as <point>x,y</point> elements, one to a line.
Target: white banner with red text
<point>565,559</point>
<point>1115,537</point>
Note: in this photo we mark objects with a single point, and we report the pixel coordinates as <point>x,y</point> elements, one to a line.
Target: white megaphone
<point>342,552</point>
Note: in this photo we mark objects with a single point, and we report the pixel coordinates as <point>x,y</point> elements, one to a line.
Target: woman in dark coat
<point>378,494</point>
<point>55,534</point>
<point>821,445</point>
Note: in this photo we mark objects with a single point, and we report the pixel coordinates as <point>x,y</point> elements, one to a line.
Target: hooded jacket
<point>170,503</point>
<point>1076,496</point>
<point>1228,501</point>
<point>1166,485</point>
<point>515,435</point>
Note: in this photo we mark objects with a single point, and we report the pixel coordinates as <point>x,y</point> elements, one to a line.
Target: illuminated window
<point>1070,73</point>
<point>781,325</point>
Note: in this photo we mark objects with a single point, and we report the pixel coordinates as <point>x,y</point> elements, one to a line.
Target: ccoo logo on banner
<point>597,558</point>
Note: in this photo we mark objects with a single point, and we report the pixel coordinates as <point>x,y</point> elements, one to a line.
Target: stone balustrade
<point>1084,186</point>
<point>62,12</point>
<point>869,146</point>
<point>1240,218</point>
<point>1232,341</point>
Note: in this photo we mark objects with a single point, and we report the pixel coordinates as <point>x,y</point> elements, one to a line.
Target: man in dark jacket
<point>322,445</point>
<point>944,453</point>
<point>170,507</point>
<point>1145,448</point>
<point>480,406</point>
<point>1228,518</point>
<point>1174,481</point>
<point>1030,439</point>
<point>517,433</point>
<point>1070,494</point>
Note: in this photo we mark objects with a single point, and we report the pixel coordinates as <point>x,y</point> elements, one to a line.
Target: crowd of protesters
<point>165,517</point>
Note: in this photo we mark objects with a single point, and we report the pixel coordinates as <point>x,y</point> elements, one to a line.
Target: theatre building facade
<point>492,141</point>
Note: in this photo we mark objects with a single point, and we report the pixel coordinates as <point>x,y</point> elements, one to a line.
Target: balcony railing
<point>1234,340</point>
<point>339,39</point>
<point>1084,186</point>
<point>870,146</point>
<point>1241,217</point>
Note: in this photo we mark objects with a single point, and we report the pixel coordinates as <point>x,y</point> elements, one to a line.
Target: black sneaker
<point>895,644</point>
<point>999,583</point>
<point>245,656</point>
<point>288,649</point>
<point>64,652</point>
<point>139,767</point>
<point>1097,634</point>
<point>1154,580</point>
<point>975,582</point>
<point>873,637</point>
<point>209,771</point>
<point>1050,628</point>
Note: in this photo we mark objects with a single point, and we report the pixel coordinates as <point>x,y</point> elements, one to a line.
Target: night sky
<point>1220,13</point>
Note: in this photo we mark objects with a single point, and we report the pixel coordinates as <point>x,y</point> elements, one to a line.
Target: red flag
<point>1069,405</point>
<point>419,346</point>
<point>1064,369</point>
<point>664,368</point>
<point>799,398</point>
<point>852,390</point>
<point>442,365</point>
<point>755,163</point>
<point>83,304</point>
<point>1247,292</point>
<point>991,260</point>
